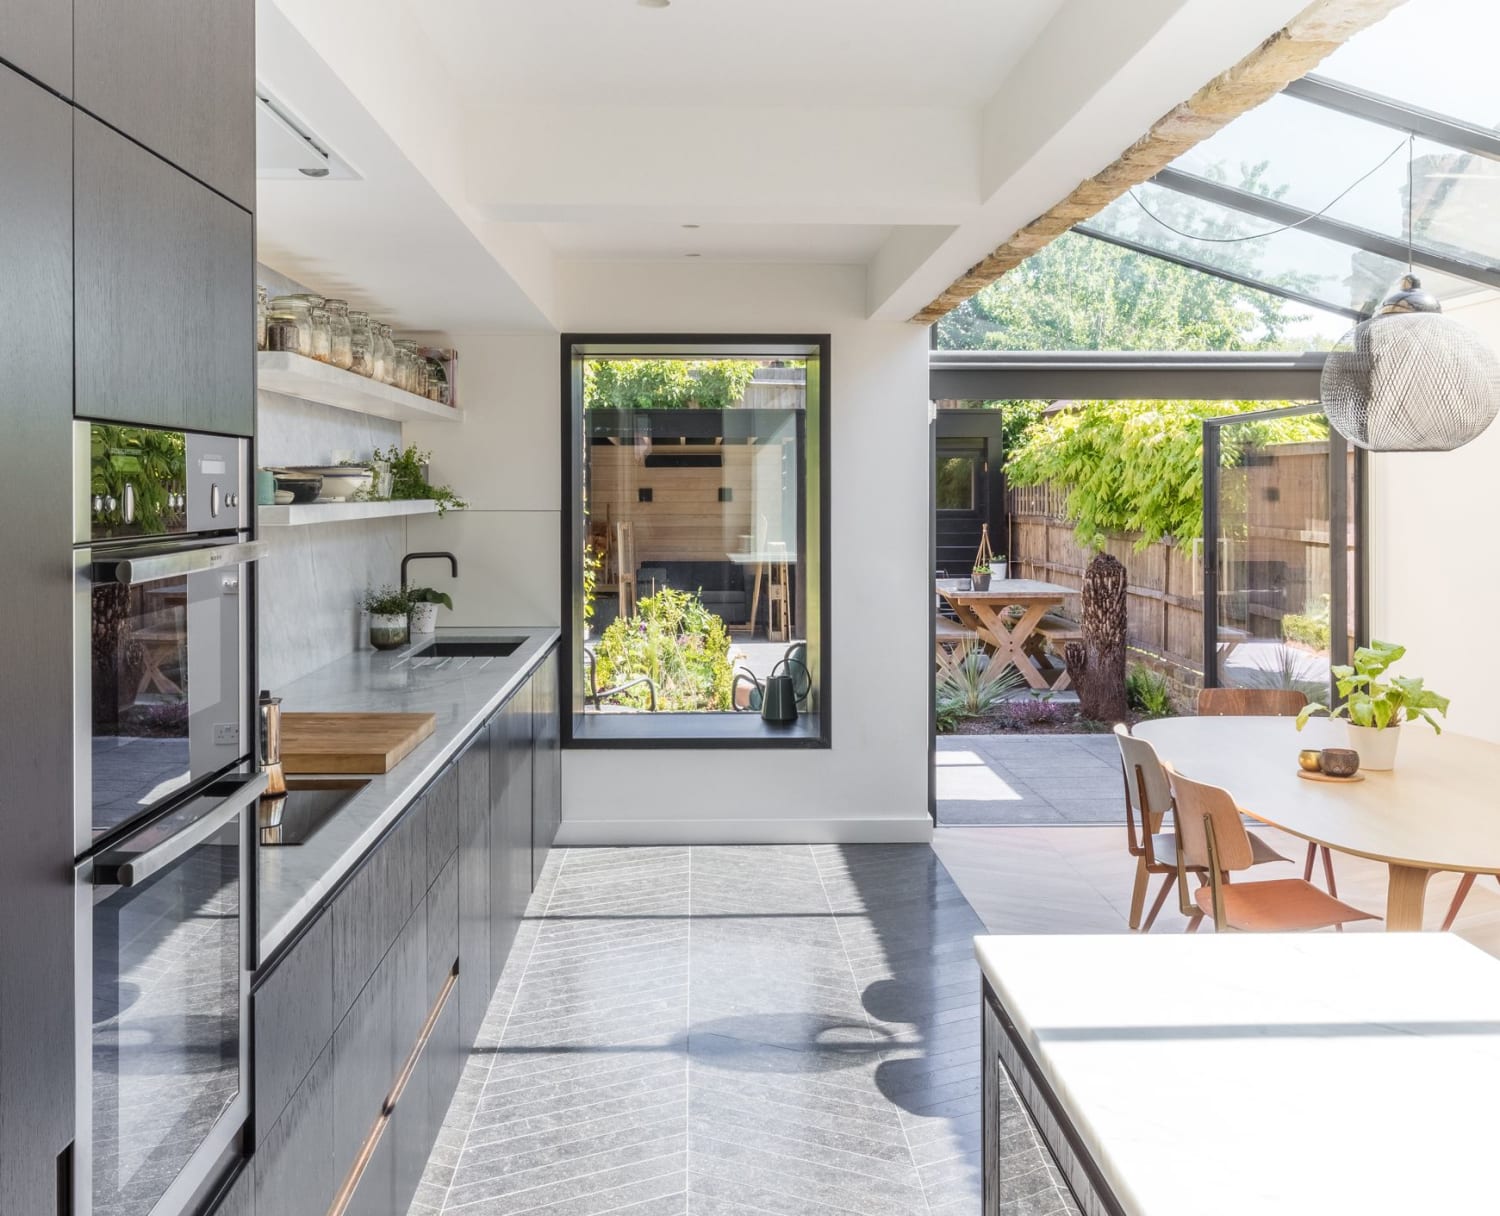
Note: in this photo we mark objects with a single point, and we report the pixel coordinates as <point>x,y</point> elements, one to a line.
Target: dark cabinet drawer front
<point>377,901</point>
<point>165,291</point>
<point>177,75</point>
<point>442,821</point>
<point>293,1017</point>
<point>364,1066</point>
<point>294,1173</point>
<point>442,928</point>
<point>474,887</point>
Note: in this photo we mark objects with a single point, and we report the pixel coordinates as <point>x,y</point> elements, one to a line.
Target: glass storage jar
<point>262,307</point>
<point>339,352</point>
<point>437,382</point>
<point>406,366</point>
<point>321,336</point>
<point>387,356</point>
<point>298,311</point>
<point>361,343</point>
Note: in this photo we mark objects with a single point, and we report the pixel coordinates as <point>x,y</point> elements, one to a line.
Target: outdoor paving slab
<point>1028,779</point>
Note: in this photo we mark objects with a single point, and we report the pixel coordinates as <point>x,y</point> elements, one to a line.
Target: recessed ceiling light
<point>692,225</point>
<point>692,255</point>
<point>653,3</point>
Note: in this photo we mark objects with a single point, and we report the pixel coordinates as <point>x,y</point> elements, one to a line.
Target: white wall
<point>872,784</point>
<point>1434,583</point>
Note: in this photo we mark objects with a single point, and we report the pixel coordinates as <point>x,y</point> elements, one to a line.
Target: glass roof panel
<point>1294,260</point>
<point>1307,155</point>
<point>1437,55</point>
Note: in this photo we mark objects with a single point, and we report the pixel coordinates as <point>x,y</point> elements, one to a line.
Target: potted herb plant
<point>424,605</point>
<point>998,567</point>
<point>1374,708</point>
<point>390,617</point>
<point>980,578</point>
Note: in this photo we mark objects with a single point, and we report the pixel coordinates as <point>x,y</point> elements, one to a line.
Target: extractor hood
<point>285,148</point>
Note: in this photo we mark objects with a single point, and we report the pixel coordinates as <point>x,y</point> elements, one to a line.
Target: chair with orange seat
<point>1211,836</point>
<point>1147,801</point>
<point>1266,703</point>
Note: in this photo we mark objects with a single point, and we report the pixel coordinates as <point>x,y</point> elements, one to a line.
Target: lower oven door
<point>163,990</point>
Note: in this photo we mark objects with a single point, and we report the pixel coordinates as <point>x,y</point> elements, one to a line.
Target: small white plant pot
<point>1376,748</point>
<point>388,631</point>
<point>424,618</point>
<point>997,571</point>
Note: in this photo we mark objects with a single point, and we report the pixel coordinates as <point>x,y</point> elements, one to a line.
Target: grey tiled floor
<point>745,1031</point>
<point>1028,779</point>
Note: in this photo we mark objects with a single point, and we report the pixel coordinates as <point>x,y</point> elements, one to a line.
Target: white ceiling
<point>496,141</point>
<point>733,52</point>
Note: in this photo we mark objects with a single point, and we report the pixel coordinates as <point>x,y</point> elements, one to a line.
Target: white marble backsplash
<point>293,432</point>
<point>309,586</point>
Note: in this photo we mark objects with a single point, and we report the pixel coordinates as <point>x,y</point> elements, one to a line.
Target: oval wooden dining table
<point>1439,809</point>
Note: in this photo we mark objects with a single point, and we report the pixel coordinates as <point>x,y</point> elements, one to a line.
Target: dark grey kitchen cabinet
<point>37,37</point>
<point>164,291</point>
<point>510,823</point>
<point>177,76</point>
<point>442,821</point>
<point>475,980</point>
<point>36,389</point>
<point>364,1065</point>
<point>546,763</point>
<point>294,1171</point>
<point>292,1011</point>
<point>375,903</point>
<point>442,928</point>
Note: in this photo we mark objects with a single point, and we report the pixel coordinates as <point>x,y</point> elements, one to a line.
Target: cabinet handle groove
<point>345,1196</point>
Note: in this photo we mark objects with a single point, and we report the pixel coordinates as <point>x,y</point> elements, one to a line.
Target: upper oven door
<point>162,673</point>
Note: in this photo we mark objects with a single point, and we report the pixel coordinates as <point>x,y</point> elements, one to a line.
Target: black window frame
<point>693,731</point>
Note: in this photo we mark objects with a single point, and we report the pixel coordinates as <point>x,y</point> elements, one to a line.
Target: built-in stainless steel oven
<point>165,790</point>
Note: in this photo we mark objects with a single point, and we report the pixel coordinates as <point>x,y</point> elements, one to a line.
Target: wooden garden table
<point>1436,811</point>
<point>986,613</point>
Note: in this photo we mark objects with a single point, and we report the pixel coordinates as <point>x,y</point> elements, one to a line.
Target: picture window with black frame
<point>695,540</point>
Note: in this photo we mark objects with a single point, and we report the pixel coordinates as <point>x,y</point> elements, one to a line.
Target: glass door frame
<point>1342,509</point>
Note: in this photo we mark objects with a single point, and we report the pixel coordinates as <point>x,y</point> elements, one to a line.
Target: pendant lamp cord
<point>1407,143</point>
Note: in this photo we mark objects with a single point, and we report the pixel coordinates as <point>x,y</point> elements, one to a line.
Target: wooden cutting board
<point>350,743</point>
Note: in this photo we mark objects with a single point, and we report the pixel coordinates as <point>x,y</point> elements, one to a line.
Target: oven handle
<point>134,869</point>
<point>133,571</point>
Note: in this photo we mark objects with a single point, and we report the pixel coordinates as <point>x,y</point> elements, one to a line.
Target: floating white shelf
<point>299,514</point>
<point>307,379</point>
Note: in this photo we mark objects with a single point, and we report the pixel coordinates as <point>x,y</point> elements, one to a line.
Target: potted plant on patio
<point>998,567</point>
<point>390,616</point>
<point>1374,708</point>
<point>424,605</point>
<point>980,577</point>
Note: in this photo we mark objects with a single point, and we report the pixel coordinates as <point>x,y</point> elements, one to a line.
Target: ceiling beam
<point>1290,53</point>
<point>1385,111</point>
<point>1277,212</point>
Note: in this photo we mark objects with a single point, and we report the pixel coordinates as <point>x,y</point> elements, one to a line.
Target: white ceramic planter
<point>388,631</point>
<point>1376,748</point>
<point>424,618</point>
<point>997,571</point>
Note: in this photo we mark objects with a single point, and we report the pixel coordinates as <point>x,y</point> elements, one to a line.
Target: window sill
<point>675,731</point>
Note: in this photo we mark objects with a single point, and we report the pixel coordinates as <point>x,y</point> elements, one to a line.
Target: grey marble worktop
<point>295,880</point>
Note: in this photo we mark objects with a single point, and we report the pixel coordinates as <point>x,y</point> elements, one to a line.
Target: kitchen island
<point>1241,1074</point>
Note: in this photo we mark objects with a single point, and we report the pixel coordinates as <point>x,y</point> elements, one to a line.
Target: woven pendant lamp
<point>1410,379</point>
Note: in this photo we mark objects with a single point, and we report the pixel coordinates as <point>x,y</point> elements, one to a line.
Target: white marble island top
<point>462,692</point>
<point>1240,1075</point>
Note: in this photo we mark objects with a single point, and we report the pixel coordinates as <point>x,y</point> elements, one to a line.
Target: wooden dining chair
<point>1267,703</point>
<point>778,593</point>
<point>1211,837</point>
<point>1148,798</point>
<point>626,567</point>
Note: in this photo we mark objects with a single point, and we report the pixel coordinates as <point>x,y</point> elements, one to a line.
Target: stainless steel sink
<point>458,648</point>
<point>309,803</point>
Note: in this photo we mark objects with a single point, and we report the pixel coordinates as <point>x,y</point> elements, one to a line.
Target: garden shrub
<point>665,384</point>
<point>678,643</point>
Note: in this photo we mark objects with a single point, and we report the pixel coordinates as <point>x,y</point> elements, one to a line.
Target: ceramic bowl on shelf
<point>340,481</point>
<point>284,498</point>
<point>301,485</point>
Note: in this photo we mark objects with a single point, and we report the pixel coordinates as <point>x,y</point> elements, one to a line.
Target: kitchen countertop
<point>463,692</point>
<point>1247,1073</point>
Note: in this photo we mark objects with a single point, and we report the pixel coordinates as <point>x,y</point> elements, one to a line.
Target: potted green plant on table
<point>998,567</point>
<point>424,605</point>
<point>1375,708</point>
<point>390,616</point>
<point>980,578</point>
